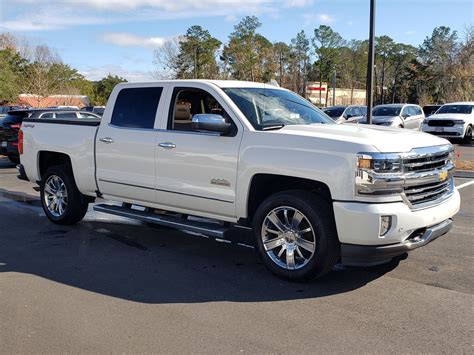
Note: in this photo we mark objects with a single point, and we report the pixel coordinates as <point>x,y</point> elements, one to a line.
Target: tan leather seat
<point>182,117</point>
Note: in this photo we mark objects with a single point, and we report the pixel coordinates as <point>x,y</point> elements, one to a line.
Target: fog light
<point>385,224</point>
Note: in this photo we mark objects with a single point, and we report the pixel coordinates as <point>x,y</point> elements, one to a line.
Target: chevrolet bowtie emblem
<point>443,175</point>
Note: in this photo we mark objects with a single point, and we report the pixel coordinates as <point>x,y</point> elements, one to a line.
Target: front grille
<point>445,133</point>
<point>441,123</point>
<point>426,163</point>
<point>423,194</point>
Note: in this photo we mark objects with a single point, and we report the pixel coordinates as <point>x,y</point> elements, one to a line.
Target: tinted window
<point>334,112</point>
<point>47,115</point>
<point>386,111</point>
<point>464,109</point>
<point>87,116</point>
<point>66,115</point>
<point>15,117</point>
<point>136,107</point>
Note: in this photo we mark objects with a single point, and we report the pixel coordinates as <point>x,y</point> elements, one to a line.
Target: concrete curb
<point>468,174</point>
<point>19,196</point>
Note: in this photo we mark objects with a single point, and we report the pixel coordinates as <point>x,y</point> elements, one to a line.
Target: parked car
<point>346,114</point>
<point>214,157</point>
<point>455,120</point>
<point>99,110</point>
<point>10,126</point>
<point>5,109</point>
<point>397,115</point>
<point>430,109</point>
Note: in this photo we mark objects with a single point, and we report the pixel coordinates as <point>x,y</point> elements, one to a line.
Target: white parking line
<point>464,185</point>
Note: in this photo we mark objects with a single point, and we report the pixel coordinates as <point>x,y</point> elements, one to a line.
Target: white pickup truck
<point>215,156</point>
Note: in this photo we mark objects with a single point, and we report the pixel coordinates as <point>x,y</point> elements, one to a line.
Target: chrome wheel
<point>55,195</point>
<point>288,237</point>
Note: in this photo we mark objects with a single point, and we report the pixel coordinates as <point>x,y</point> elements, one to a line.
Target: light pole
<point>370,63</point>
<point>334,88</point>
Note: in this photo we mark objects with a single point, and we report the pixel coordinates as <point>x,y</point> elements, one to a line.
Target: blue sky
<point>119,36</point>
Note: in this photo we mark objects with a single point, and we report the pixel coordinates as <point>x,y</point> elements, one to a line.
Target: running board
<point>209,229</point>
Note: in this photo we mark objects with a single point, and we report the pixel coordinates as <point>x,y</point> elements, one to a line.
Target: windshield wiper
<point>270,128</point>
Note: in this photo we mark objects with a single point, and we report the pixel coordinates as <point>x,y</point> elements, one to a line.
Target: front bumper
<point>358,224</point>
<point>456,131</point>
<point>363,254</point>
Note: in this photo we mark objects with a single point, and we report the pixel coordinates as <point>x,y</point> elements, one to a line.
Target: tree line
<point>40,71</point>
<point>440,70</point>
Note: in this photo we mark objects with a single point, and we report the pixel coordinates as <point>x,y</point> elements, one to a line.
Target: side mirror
<point>209,122</point>
<point>405,115</point>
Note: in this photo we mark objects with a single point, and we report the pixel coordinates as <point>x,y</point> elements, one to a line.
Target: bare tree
<point>165,59</point>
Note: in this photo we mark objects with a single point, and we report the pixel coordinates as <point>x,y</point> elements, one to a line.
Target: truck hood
<point>452,116</point>
<point>384,139</point>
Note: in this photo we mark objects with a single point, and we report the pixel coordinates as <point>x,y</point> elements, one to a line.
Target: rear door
<point>126,145</point>
<point>196,170</point>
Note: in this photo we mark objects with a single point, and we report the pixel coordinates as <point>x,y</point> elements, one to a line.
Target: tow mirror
<point>209,122</point>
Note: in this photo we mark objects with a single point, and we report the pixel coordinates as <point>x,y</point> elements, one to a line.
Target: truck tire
<point>296,235</point>
<point>468,135</point>
<point>62,202</point>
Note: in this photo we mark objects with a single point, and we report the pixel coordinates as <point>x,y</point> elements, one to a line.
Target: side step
<point>209,229</point>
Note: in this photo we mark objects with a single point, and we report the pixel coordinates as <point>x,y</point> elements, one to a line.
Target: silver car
<point>346,114</point>
<point>398,115</point>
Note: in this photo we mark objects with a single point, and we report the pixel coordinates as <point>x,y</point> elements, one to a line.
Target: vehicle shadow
<point>152,265</point>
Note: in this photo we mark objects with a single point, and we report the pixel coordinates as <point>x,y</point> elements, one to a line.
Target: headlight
<point>379,174</point>
<point>387,164</point>
<point>459,122</point>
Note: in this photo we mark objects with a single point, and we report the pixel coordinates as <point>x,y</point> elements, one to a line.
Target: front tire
<point>296,235</point>
<point>62,202</point>
<point>468,135</point>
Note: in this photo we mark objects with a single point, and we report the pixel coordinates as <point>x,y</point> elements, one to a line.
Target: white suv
<point>452,121</point>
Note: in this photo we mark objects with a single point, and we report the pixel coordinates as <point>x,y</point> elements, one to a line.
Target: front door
<point>126,146</point>
<point>196,170</point>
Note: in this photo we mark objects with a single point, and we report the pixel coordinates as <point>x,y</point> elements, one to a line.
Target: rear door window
<point>136,107</point>
<point>66,115</point>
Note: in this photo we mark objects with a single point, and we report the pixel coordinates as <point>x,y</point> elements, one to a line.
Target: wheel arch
<point>263,185</point>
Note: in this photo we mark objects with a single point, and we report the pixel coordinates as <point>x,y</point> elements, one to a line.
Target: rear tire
<point>296,235</point>
<point>62,202</point>
<point>468,135</point>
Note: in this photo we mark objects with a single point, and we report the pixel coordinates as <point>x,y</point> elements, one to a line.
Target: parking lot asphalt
<point>109,284</point>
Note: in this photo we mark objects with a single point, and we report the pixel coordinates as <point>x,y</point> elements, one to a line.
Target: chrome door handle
<point>167,145</point>
<point>107,140</point>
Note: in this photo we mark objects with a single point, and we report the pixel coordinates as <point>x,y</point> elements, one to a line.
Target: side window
<point>406,111</point>
<point>187,102</point>
<point>47,115</point>
<point>418,110</point>
<point>136,107</point>
<point>66,115</point>
<point>363,110</point>
<point>355,111</point>
<point>86,115</point>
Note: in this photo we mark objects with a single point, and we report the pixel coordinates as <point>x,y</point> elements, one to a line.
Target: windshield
<point>464,109</point>
<point>334,112</point>
<point>386,111</point>
<point>274,108</point>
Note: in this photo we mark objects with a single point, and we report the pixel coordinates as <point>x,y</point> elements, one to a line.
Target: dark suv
<point>11,123</point>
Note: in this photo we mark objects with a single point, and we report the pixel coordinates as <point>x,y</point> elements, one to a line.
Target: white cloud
<point>297,3</point>
<point>409,33</point>
<point>349,23</point>
<point>130,40</point>
<point>97,73</point>
<point>312,19</point>
<point>34,15</point>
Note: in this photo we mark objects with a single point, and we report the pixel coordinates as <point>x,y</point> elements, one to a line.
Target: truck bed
<point>75,138</point>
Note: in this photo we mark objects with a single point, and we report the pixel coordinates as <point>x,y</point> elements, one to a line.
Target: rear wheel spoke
<point>273,243</point>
